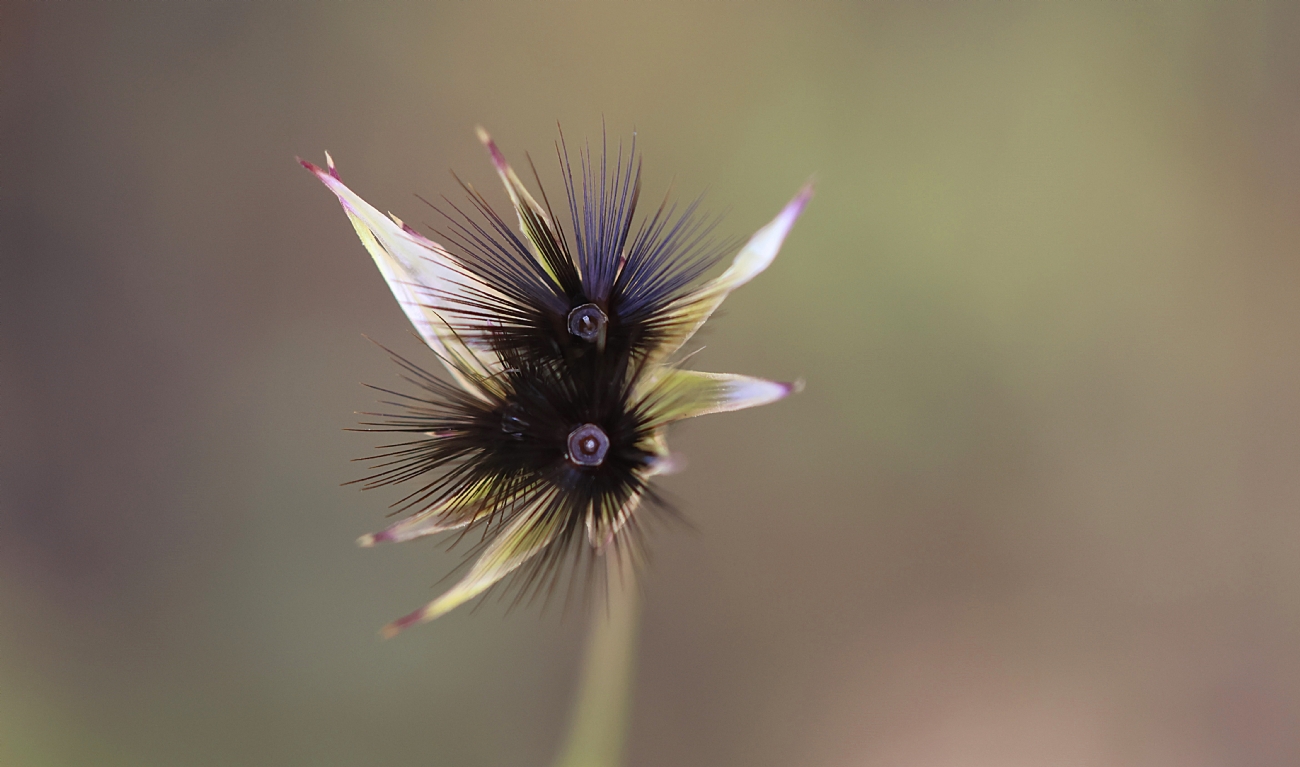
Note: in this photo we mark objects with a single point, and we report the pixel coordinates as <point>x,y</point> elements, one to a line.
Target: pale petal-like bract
<point>422,275</point>
<point>447,514</point>
<point>679,394</point>
<point>691,311</point>
<point>526,535</point>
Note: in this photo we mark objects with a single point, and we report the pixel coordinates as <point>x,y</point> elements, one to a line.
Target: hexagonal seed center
<point>587,322</point>
<point>588,445</point>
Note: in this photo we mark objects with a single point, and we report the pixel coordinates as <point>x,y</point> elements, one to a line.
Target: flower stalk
<point>602,709</point>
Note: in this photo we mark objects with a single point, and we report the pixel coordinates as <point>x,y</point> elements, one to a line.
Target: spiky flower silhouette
<point>559,346</point>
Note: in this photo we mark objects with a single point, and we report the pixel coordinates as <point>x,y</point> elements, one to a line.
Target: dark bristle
<point>519,289</point>
<point>464,448</point>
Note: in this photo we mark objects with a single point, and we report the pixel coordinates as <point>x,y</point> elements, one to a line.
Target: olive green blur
<point>1038,504</point>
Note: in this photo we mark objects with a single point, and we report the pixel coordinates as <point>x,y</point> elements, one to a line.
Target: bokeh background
<point>1039,503</point>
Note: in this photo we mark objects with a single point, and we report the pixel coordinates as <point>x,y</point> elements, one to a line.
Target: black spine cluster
<point>575,318</point>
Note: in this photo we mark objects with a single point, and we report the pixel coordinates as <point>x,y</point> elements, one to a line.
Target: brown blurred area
<point>1038,504</point>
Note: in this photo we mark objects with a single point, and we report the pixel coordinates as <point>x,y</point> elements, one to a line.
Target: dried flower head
<point>559,346</point>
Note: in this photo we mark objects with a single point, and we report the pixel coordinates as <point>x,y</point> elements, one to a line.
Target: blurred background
<point>1037,505</point>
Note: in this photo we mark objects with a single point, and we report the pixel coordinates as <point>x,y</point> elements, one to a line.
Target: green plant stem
<point>599,722</point>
